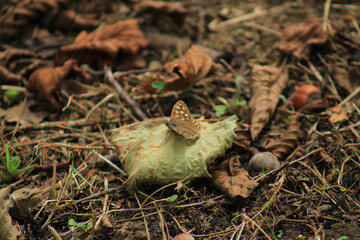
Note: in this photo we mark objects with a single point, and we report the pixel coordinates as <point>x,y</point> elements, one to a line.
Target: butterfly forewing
<point>182,122</point>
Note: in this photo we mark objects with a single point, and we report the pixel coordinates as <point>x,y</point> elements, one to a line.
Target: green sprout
<point>81,225</point>
<point>11,165</point>
<point>11,94</point>
<point>158,85</point>
<point>172,198</point>
<point>226,105</point>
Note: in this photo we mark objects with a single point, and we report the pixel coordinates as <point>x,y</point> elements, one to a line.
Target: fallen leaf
<point>22,112</point>
<point>46,81</point>
<point>342,78</point>
<point>340,113</point>
<point>77,21</point>
<point>242,139</point>
<point>152,153</point>
<point>266,84</point>
<point>120,41</point>
<point>287,140</point>
<point>7,229</point>
<point>298,39</point>
<point>233,181</point>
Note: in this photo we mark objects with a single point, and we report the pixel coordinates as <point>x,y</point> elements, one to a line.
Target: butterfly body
<point>182,122</point>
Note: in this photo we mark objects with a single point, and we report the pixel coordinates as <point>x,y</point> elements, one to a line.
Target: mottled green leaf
<point>152,153</point>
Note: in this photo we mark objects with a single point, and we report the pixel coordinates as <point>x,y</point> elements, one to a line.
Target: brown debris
<point>120,41</point>
<point>242,139</point>
<point>266,84</point>
<point>233,180</point>
<point>18,15</point>
<point>299,38</point>
<point>46,81</point>
<point>287,140</point>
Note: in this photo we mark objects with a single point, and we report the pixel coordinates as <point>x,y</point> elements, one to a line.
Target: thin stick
<point>123,94</point>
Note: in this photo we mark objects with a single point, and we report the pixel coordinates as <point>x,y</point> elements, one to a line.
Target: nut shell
<point>304,95</point>
<point>184,236</point>
<point>263,161</point>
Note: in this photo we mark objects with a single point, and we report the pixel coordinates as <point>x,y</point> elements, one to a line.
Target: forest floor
<point>61,131</point>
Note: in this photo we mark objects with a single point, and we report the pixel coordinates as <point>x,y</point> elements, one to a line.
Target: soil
<point>315,193</point>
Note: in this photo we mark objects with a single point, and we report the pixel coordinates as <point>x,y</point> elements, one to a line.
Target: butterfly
<point>182,122</point>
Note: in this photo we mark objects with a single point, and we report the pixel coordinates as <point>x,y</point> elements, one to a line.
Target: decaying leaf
<point>266,84</point>
<point>342,78</point>
<point>152,153</point>
<point>7,230</point>
<point>24,199</point>
<point>21,113</point>
<point>121,41</point>
<point>46,81</point>
<point>233,180</point>
<point>242,139</point>
<point>298,39</point>
<point>18,15</point>
<point>340,113</point>
<point>287,140</point>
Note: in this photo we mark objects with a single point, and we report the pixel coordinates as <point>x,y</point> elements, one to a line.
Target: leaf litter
<point>274,48</point>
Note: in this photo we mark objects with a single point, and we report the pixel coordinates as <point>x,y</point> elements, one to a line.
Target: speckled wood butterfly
<point>182,122</point>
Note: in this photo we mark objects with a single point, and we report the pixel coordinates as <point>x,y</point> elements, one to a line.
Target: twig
<point>123,94</point>
<point>122,173</point>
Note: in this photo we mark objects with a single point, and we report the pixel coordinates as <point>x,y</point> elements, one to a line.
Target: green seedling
<point>11,94</point>
<point>11,165</point>
<point>81,225</point>
<point>172,198</point>
<point>158,85</point>
<point>343,238</point>
<point>226,105</point>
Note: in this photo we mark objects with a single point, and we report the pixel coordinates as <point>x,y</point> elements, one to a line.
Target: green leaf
<point>12,165</point>
<point>282,98</point>
<point>224,101</point>
<point>220,110</point>
<point>88,226</point>
<point>158,85</point>
<point>172,198</point>
<point>240,103</point>
<point>72,222</point>
<point>343,237</point>
<point>11,94</point>
<point>152,153</point>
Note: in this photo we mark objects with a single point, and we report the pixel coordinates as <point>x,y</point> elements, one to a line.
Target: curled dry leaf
<point>298,39</point>
<point>123,39</point>
<point>287,140</point>
<point>46,81</point>
<point>190,68</point>
<point>233,180</point>
<point>266,84</point>
<point>152,153</point>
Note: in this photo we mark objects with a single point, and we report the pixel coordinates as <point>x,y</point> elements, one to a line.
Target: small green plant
<point>172,198</point>
<point>11,165</point>
<point>227,106</point>
<point>343,238</point>
<point>85,227</point>
<point>11,94</point>
<point>158,85</point>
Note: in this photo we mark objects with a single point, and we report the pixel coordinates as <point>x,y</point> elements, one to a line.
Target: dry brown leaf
<point>77,21</point>
<point>266,84</point>
<point>22,114</point>
<point>46,81</point>
<point>298,39</point>
<point>287,141</point>
<point>242,139</point>
<point>120,41</point>
<point>340,113</point>
<point>235,181</point>
<point>7,229</point>
<point>342,78</point>
<point>190,68</point>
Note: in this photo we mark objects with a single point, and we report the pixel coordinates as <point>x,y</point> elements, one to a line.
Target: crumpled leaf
<point>46,81</point>
<point>266,84</point>
<point>340,113</point>
<point>242,139</point>
<point>298,39</point>
<point>233,180</point>
<point>18,15</point>
<point>22,110</point>
<point>287,141</point>
<point>120,41</point>
<point>7,230</point>
<point>152,153</point>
